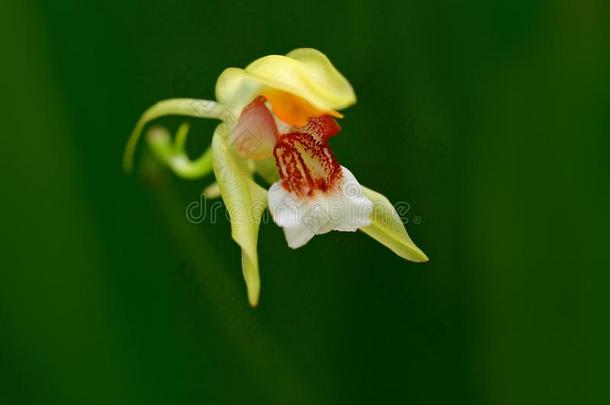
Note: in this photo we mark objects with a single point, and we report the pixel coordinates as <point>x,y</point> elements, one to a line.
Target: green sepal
<point>388,229</point>
<point>245,202</point>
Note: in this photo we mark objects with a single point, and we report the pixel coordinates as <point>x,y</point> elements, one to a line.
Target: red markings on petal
<point>305,160</point>
<point>256,133</point>
<point>303,156</point>
<point>322,127</point>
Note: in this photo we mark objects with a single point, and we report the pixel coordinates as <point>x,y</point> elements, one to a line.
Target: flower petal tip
<point>422,258</point>
<point>414,255</point>
<point>253,301</point>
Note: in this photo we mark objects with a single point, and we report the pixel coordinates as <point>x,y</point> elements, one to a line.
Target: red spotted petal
<point>305,160</point>
<point>322,127</point>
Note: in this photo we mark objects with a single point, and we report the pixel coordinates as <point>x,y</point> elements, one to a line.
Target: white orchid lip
<point>344,208</point>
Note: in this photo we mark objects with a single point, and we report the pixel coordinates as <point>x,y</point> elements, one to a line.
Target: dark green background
<point>490,118</point>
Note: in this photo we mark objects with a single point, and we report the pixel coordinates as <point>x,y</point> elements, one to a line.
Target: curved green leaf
<point>387,228</point>
<point>245,201</point>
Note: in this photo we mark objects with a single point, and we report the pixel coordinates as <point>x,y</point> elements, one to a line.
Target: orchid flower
<point>277,116</point>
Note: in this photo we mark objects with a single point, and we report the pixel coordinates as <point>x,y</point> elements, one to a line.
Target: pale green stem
<point>190,107</point>
<point>180,142</point>
<point>174,156</point>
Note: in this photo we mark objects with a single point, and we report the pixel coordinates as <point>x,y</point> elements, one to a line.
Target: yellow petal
<point>304,73</point>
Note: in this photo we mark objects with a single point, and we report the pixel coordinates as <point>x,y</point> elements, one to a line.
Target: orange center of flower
<point>294,110</point>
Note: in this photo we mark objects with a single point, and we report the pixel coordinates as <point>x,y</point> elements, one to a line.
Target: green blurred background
<point>490,119</point>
